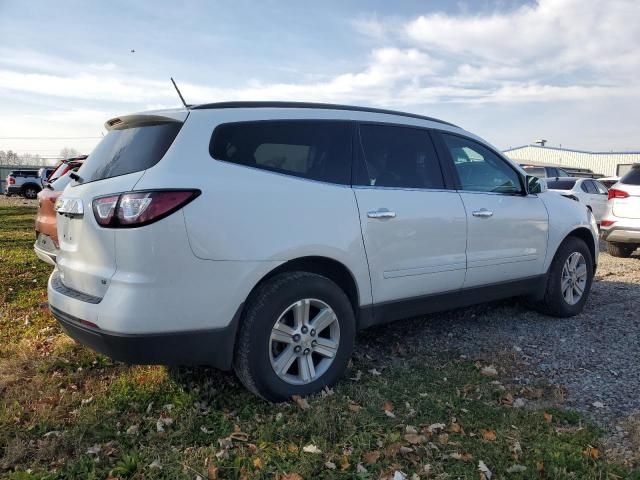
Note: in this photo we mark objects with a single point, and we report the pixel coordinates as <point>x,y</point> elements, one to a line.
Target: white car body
<point>174,291</point>
<point>589,192</point>
<point>621,223</point>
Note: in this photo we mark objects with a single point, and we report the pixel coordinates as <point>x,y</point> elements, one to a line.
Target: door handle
<point>381,213</point>
<point>482,213</point>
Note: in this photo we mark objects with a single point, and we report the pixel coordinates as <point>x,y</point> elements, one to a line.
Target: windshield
<point>129,150</point>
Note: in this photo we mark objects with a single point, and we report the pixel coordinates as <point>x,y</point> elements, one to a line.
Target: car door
<point>600,199</point>
<point>413,226</point>
<point>506,228</point>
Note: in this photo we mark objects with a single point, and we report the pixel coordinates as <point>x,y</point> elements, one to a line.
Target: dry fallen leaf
<point>464,457</point>
<point>291,476</point>
<point>435,427</point>
<point>371,457</point>
<point>311,448</point>
<point>591,452</point>
<point>489,371</point>
<point>257,463</point>
<point>387,406</point>
<point>548,417</point>
<point>414,438</point>
<point>443,438</point>
<point>516,450</point>
<point>488,435</point>
<point>360,468</point>
<point>540,466</point>
<point>455,428</point>
<point>354,407</point>
<point>301,402</point>
<point>344,463</point>
<point>330,465</point>
<point>212,472</point>
<point>485,473</point>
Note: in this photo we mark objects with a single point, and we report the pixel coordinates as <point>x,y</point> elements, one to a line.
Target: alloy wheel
<point>574,278</point>
<point>304,341</point>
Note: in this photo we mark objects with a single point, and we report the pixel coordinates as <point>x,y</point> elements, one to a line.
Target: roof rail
<point>324,106</point>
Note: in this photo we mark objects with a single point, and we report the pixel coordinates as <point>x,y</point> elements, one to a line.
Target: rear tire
<point>562,296</point>
<point>276,306</point>
<point>620,250</point>
<point>30,192</point>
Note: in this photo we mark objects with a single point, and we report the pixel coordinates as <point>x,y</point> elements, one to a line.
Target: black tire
<point>553,302</point>
<point>251,359</point>
<point>621,250</point>
<point>30,191</point>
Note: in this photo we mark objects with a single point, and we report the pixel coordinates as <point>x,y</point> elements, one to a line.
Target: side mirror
<point>536,185</point>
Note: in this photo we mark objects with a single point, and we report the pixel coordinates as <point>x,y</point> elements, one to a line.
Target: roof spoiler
<point>143,120</point>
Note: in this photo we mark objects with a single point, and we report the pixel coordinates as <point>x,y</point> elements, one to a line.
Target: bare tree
<point>68,152</point>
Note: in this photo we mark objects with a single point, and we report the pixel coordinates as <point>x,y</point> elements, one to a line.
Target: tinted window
<point>128,150</point>
<point>552,172</point>
<point>535,171</point>
<point>320,150</point>
<point>479,169</point>
<point>585,187</point>
<point>632,177</point>
<point>601,188</point>
<point>397,156</point>
<point>591,187</point>
<point>561,184</point>
<point>563,173</point>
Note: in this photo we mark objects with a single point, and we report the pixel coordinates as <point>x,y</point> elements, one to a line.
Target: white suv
<point>621,224</point>
<point>262,236</point>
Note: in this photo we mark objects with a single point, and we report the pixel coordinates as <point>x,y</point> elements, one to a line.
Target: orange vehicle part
<point>46,217</point>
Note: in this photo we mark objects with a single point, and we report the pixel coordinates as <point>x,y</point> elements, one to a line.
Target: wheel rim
<point>30,193</point>
<point>574,278</point>
<point>304,341</point>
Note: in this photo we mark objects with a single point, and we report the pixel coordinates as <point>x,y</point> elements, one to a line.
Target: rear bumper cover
<point>621,234</point>
<point>204,347</point>
<point>45,249</point>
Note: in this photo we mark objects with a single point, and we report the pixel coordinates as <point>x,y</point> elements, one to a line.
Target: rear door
<point>414,227</point>
<point>506,228</point>
<point>87,258</point>
<point>598,195</point>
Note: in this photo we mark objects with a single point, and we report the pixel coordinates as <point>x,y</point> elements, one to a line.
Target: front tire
<point>296,336</point>
<point>30,192</point>
<point>620,250</point>
<point>569,281</point>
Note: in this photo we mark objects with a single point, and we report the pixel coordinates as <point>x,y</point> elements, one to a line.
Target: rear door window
<point>561,184</point>
<point>396,156</point>
<point>313,149</point>
<point>129,150</point>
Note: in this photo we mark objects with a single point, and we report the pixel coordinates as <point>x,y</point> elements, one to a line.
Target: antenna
<point>179,94</point>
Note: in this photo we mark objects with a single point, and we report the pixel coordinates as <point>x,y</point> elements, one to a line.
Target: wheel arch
<point>585,235</point>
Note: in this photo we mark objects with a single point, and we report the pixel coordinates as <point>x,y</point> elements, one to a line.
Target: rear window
<point>632,177</point>
<point>318,150</point>
<point>561,184</point>
<point>535,171</point>
<point>129,150</point>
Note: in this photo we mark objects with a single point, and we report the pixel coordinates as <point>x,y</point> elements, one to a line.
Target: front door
<point>507,229</point>
<point>414,229</point>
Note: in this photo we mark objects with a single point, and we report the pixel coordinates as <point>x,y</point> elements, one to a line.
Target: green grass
<point>50,384</point>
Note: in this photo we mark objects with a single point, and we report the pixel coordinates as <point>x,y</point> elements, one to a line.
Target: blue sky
<point>511,71</point>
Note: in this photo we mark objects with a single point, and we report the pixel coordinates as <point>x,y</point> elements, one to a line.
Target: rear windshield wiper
<point>75,176</point>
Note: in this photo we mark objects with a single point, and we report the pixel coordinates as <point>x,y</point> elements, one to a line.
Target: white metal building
<point>609,164</point>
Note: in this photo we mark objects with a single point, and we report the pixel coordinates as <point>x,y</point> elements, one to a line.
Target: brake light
<point>136,209</point>
<point>616,193</point>
<point>607,223</point>
<point>11,180</point>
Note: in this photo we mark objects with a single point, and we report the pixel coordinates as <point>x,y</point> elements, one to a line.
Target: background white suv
<point>262,236</point>
<point>621,225</point>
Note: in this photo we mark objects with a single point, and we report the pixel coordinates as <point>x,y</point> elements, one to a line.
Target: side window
<point>591,187</point>
<point>563,173</point>
<point>584,187</point>
<point>553,172</point>
<point>479,169</point>
<point>396,156</point>
<point>319,150</point>
<point>602,190</point>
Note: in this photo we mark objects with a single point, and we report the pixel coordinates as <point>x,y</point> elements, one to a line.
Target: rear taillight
<point>11,180</point>
<point>616,193</point>
<point>607,223</point>
<point>136,209</point>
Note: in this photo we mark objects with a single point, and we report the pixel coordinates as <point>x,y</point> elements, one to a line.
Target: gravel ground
<point>590,362</point>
